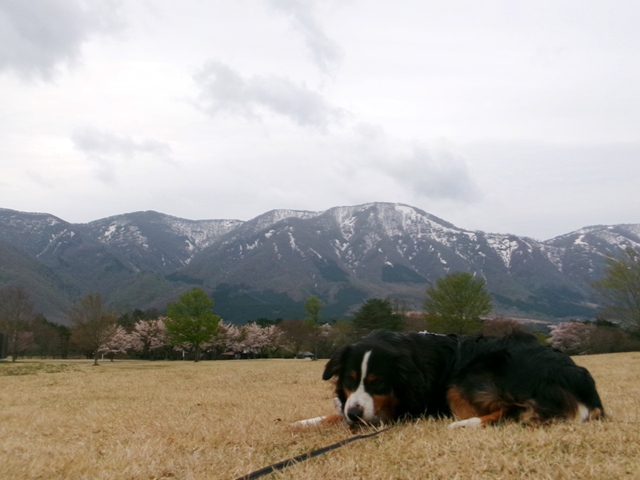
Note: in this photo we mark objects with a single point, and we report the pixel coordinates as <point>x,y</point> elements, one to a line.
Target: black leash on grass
<point>306,456</point>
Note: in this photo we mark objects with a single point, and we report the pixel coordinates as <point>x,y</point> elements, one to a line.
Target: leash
<point>306,456</point>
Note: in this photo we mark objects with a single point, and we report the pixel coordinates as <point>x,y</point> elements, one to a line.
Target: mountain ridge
<point>267,266</point>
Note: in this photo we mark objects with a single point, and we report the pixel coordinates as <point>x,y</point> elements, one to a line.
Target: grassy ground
<point>209,420</point>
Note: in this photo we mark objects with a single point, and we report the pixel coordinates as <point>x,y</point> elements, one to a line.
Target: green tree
<point>191,320</point>
<point>92,323</point>
<point>375,314</point>
<point>619,289</point>
<point>455,304</point>
<point>312,308</point>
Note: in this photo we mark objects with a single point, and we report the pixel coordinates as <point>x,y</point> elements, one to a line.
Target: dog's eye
<point>349,383</point>
<point>377,385</point>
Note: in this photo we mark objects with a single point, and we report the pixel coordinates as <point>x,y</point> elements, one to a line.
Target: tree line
<point>454,304</point>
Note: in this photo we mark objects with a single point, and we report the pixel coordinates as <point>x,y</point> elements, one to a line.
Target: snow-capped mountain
<point>267,266</point>
<point>152,241</point>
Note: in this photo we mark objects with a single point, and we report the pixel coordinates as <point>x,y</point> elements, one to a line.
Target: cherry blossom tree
<point>249,340</point>
<point>118,343</point>
<point>273,334</point>
<point>259,340</point>
<point>227,339</point>
<point>572,337</point>
<point>148,336</point>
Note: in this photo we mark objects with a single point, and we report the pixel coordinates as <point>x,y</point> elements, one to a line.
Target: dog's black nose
<point>354,414</point>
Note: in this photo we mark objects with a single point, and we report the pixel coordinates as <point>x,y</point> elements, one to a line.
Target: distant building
<point>305,355</point>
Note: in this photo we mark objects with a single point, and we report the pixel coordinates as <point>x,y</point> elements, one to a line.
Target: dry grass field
<point>221,420</point>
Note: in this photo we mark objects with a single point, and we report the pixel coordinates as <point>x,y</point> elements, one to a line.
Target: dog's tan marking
<point>596,414</point>
<point>493,417</point>
<point>460,407</point>
<point>384,406</point>
<point>333,418</point>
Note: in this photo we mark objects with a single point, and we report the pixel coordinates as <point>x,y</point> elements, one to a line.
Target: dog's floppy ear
<point>333,366</point>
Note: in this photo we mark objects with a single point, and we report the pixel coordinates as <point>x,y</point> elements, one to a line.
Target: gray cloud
<point>104,149</point>
<point>435,174</point>
<point>429,172</point>
<point>96,142</point>
<point>39,179</point>
<point>224,90</point>
<point>37,37</point>
<point>324,52</point>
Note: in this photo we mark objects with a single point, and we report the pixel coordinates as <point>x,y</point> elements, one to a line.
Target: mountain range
<point>266,267</point>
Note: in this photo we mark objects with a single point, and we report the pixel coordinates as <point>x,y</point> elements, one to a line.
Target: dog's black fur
<point>477,379</point>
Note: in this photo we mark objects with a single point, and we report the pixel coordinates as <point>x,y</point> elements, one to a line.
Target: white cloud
<point>537,102</point>
<point>37,37</point>
<point>223,90</point>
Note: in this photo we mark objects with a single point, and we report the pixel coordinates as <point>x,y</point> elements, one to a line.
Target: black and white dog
<point>477,380</point>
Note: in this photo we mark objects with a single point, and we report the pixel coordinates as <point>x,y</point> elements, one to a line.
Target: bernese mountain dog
<point>476,380</point>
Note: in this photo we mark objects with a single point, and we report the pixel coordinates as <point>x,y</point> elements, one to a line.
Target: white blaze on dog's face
<point>359,404</point>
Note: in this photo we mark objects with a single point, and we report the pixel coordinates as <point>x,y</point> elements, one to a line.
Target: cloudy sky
<point>510,117</point>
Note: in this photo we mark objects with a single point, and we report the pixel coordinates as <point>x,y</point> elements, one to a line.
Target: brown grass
<point>209,420</point>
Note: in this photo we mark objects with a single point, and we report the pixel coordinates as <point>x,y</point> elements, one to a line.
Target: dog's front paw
<point>308,422</point>
<point>473,422</point>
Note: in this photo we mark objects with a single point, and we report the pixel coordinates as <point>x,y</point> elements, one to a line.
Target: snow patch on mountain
<point>504,246</point>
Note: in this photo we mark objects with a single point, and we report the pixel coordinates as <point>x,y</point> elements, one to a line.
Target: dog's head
<point>375,382</point>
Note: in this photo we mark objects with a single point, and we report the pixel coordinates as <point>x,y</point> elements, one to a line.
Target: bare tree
<point>295,334</point>
<point>92,324</point>
<point>619,289</point>
<point>16,315</point>
<point>500,326</point>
